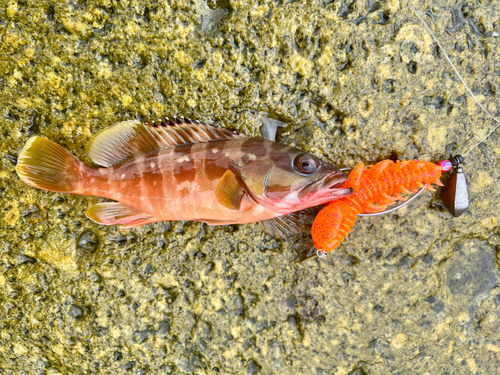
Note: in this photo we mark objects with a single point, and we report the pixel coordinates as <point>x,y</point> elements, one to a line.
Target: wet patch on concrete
<point>471,273</point>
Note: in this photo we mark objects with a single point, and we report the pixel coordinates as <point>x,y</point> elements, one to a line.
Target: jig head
<point>455,195</point>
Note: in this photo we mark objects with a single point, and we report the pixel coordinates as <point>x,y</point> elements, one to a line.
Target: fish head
<point>289,180</point>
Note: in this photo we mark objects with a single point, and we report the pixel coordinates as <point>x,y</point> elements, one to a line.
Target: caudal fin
<point>46,165</point>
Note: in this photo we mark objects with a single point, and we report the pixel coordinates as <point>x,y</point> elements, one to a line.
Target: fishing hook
<point>397,207</point>
<point>388,211</point>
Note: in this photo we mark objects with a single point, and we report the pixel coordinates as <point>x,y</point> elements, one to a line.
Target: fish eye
<point>305,165</point>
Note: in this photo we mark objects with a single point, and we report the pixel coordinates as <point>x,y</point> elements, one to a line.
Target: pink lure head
<point>445,165</point>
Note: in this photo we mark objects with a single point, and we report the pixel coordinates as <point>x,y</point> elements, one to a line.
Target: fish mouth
<point>333,182</point>
<point>326,189</point>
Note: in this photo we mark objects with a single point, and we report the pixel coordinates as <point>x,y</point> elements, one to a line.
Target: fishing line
<point>461,79</point>
<point>455,195</point>
<point>334,222</point>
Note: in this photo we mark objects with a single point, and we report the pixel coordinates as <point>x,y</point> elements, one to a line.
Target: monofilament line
<point>461,79</point>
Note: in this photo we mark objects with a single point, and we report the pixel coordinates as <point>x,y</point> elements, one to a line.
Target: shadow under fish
<point>179,169</point>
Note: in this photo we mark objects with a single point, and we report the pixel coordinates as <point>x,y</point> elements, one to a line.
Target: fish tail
<point>46,165</point>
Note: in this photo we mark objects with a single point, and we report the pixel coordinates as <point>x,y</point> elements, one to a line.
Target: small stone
<point>42,363</point>
<point>372,6</point>
<point>32,212</point>
<point>345,9</point>
<point>148,270</point>
<point>357,371</point>
<point>163,330</point>
<point>412,67</point>
<point>120,240</point>
<point>141,336</point>
<point>117,356</point>
<point>21,259</point>
<point>95,277</point>
<point>127,366</point>
<point>252,368</point>
<point>12,158</point>
<point>458,18</point>
<point>88,241</point>
<point>76,312</point>
<point>388,86</point>
<point>427,258</point>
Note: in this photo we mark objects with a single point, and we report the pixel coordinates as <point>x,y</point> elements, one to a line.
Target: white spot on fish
<point>123,176</point>
<point>258,210</point>
<point>92,180</point>
<point>292,197</point>
<point>153,165</point>
<point>183,159</point>
<point>252,157</point>
<point>188,185</point>
<point>215,150</point>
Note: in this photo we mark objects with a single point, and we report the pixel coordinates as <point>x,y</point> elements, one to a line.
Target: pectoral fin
<point>113,213</point>
<point>290,225</point>
<point>229,192</point>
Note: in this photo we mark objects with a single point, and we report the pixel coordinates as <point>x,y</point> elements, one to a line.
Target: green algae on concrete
<point>414,292</point>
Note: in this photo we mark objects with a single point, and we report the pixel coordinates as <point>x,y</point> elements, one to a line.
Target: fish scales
<point>188,173</point>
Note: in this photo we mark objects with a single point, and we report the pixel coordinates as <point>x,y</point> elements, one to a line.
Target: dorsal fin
<point>129,139</point>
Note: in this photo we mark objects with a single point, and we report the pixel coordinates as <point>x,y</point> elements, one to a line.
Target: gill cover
<point>289,180</point>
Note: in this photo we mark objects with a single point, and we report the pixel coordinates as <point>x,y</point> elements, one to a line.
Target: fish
<point>182,169</point>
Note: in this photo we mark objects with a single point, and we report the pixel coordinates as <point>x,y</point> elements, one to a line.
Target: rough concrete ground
<point>415,292</point>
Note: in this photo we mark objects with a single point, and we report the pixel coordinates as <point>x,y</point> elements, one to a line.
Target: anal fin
<point>140,223</point>
<point>114,213</point>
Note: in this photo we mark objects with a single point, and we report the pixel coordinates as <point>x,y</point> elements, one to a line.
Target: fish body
<point>375,189</point>
<point>183,170</point>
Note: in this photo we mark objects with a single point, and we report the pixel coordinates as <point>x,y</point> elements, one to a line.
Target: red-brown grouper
<point>185,170</point>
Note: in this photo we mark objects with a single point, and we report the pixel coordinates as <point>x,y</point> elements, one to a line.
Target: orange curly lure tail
<point>375,189</point>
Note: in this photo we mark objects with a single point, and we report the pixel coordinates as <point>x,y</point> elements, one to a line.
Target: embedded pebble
<point>88,241</point>
<point>252,368</point>
<point>76,312</point>
<point>21,259</point>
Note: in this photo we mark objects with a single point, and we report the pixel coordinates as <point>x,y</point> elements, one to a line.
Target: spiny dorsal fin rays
<point>129,139</point>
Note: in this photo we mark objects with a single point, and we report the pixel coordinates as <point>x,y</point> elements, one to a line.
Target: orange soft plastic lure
<point>375,189</point>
